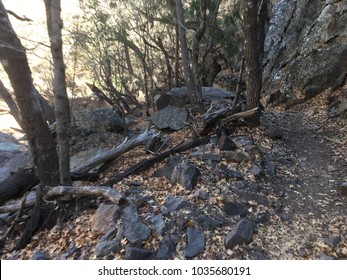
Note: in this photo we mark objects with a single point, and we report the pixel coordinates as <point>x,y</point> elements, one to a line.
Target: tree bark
<point>14,61</point>
<point>254,16</point>
<point>14,111</point>
<point>62,109</point>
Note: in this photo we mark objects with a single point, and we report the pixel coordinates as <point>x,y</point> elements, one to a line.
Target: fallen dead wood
<point>29,202</point>
<point>108,193</point>
<point>112,154</point>
<point>17,183</point>
<point>244,114</point>
<point>148,163</point>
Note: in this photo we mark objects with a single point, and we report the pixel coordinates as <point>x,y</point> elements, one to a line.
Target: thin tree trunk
<point>188,74</point>
<point>62,110</point>
<point>254,14</point>
<point>177,54</point>
<point>15,63</point>
<point>14,111</point>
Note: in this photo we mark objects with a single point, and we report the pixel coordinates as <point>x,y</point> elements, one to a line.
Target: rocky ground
<point>274,192</point>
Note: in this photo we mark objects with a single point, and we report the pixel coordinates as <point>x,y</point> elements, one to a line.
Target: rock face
<point>305,49</point>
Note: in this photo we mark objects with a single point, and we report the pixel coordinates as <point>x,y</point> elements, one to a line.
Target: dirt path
<point>313,224</point>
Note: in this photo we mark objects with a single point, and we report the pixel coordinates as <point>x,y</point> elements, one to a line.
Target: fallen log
<point>148,163</point>
<point>29,202</point>
<point>112,154</point>
<point>108,193</point>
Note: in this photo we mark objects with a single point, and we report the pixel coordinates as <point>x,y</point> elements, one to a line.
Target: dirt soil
<point>307,216</point>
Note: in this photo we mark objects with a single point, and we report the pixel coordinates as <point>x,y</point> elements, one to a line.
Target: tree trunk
<point>14,111</point>
<point>62,110</point>
<point>14,61</point>
<point>254,16</point>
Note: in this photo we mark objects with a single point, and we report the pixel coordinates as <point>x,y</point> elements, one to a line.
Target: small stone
<point>234,208</point>
<point>134,253</point>
<point>225,143</point>
<point>273,132</point>
<point>326,257</point>
<point>235,156</point>
<point>332,241</point>
<point>39,255</point>
<point>158,223</point>
<point>242,233</point>
<point>286,217</point>
<point>134,229</point>
<point>167,249</point>
<point>257,255</point>
<point>105,217</point>
<point>201,194</point>
<point>256,170</point>
<point>176,203</point>
<point>242,141</point>
<point>196,242</point>
<point>107,248</point>
<point>185,174</point>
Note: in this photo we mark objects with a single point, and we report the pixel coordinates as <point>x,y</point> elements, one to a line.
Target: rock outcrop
<point>305,50</point>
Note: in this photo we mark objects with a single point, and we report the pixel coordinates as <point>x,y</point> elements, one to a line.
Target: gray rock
<point>258,255</point>
<point>242,141</point>
<point>106,248</point>
<point>105,218</point>
<point>270,167</point>
<point>171,117</point>
<point>208,222</point>
<point>134,253</point>
<point>110,234</point>
<point>206,156</point>
<point>106,120</point>
<point>231,173</point>
<point>332,241</point>
<point>158,223</point>
<point>256,170</point>
<point>305,49</point>
<point>196,242</point>
<point>165,100</point>
<point>167,249</point>
<point>273,132</point>
<point>235,156</point>
<point>176,203</point>
<point>185,174</point>
<point>225,143</point>
<point>201,194</point>
<point>338,108</point>
<point>242,233</point>
<point>343,188</point>
<point>39,255</point>
<point>134,229</point>
<point>72,252</point>
<point>167,170</point>
<point>247,196</point>
<point>326,257</point>
<point>234,208</point>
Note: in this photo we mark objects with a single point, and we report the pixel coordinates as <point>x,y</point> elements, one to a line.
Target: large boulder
<point>305,50</point>
<point>170,117</point>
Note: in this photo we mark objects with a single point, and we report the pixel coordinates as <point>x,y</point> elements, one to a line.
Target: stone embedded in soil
<point>208,222</point>
<point>196,242</point>
<point>134,253</point>
<point>235,156</point>
<point>332,241</point>
<point>105,217</point>
<point>257,255</point>
<point>185,174</point>
<point>326,257</point>
<point>39,255</point>
<point>251,196</point>
<point>158,223</point>
<point>242,233</point>
<point>134,229</point>
<point>167,170</point>
<point>242,141</point>
<point>176,203</point>
<point>171,117</point>
<point>273,132</point>
<point>167,249</point>
<point>72,252</point>
<point>234,208</point>
<point>225,143</point>
<point>201,194</point>
<point>107,248</point>
<point>256,170</point>
<point>230,173</point>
